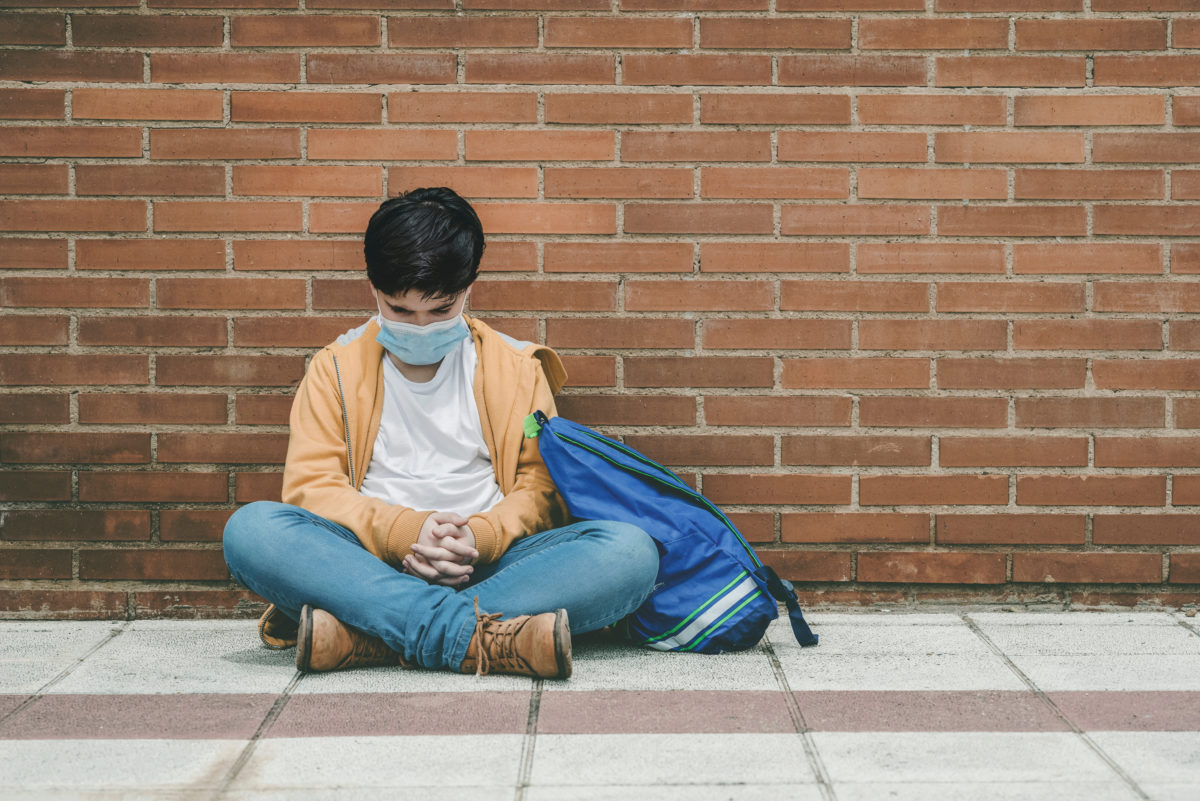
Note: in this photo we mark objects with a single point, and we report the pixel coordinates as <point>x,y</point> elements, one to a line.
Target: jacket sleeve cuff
<point>403,533</point>
<point>485,538</point>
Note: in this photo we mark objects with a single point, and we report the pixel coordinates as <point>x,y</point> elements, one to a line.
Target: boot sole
<point>562,644</point>
<point>304,639</point>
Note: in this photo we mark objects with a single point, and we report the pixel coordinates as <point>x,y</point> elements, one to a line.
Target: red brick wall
<point>907,285</point>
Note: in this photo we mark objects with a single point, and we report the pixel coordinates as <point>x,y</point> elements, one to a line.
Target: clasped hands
<point>443,551</point>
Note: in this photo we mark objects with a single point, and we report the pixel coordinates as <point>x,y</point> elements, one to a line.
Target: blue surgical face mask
<point>421,344</point>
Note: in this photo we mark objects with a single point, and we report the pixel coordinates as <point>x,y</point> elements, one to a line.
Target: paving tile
<point>183,656</point>
<point>195,716</point>
<point>404,680</point>
<point>1155,757</point>
<point>609,666</point>
<point>385,714</point>
<point>675,711</point>
<point>654,759</point>
<point>1179,791</point>
<point>991,791</point>
<point>847,638</point>
<point>48,766</point>
<point>1072,618</point>
<point>495,793</point>
<point>808,670</point>
<point>678,792</point>
<point>382,762</point>
<point>1065,638</point>
<point>1131,711</point>
<point>867,711</point>
<point>10,702</point>
<point>874,617</point>
<point>1104,672</point>
<point>34,652</point>
<point>973,758</point>
<point>124,794</point>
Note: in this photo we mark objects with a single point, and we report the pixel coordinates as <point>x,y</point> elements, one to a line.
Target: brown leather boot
<point>326,643</point>
<point>529,645</point>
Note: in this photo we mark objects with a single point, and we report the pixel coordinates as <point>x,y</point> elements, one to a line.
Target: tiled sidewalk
<point>898,706</point>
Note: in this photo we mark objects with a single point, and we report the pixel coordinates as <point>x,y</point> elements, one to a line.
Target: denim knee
<point>633,547</point>
<point>243,532</point>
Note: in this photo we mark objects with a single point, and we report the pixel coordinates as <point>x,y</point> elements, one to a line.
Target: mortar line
<point>528,744</point>
<point>798,722</point>
<point>68,670</point>
<point>1045,699</point>
<point>263,727</point>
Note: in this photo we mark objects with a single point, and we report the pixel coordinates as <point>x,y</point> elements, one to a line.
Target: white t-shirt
<point>429,452</point>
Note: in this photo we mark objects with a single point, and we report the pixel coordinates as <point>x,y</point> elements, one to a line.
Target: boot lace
<point>500,641</point>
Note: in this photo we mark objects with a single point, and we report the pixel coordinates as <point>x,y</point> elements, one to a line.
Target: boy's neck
<point>416,373</point>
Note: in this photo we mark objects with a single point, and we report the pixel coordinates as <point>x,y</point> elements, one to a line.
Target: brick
<point>1023,71</point>
<point>845,70</point>
<point>283,331</point>
<point>1087,257</point>
<point>1010,297</point>
<point>1155,529</point>
<point>1011,373</point>
<point>33,179</point>
<point>775,489</point>
<point>547,218</point>
<point>156,331</point>
<point>472,182</point>
<point>158,407</point>
<point>1040,6</point>
<point>32,104</point>
<point>339,218</point>
<point>1012,147</point>
<point>1173,70</point>
<point>70,65</point>
<point>1062,110</point>
<point>1185,490</point>
<point>59,369</point>
<point>149,254</point>
<point>202,216</point>
<point>1098,34</point>
<point>293,106</point>
<point>765,410</point>
<point>51,525</point>
<point>76,141</point>
<point>58,604</point>
<point>1126,296</point>
<point>28,329</point>
<point>258,487</point>
<point>224,68</point>
<point>205,604</point>
<point>900,182</point>
<point>1185,185</point>
<point>942,412</point>
<point>1144,451</point>
<point>591,371</point>
<point>932,567</point>
<point>623,257</point>
<point>306,181</point>
<point>883,296</point>
<point>230,143</point>
<point>1185,258</point>
<point>1185,33</point>
<point>698,371</point>
<point>540,145</point>
<point>1077,184</point>
<point>774,335</point>
<point>33,29</point>
<point>773,257</point>
<point>263,410</point>
<point>520,328</point>
<point>34,408</point>
<point>192,525</point>
<point>1087,568</point>
<point>499,295</point>
<point>1185,110</point>
<point>541,68</point>
<point>809,565</point>
<point>695,146</point>
<point>35,254</point>
<point>1146,147</point>
<point>1010,529</point>
<point>616,182</point>
<point>355,295</point>
<point>756,527</point>
<point>153,565</point>
<point>694,295</point>
<point>1091,490</point>
<point>932,109</point>
<point>823,449</point>
<point>636,333</point>
<point>326,30</point>
<point>64,448</point>
<point>932,490</point>
<point>132,30</point>
<point>854,220</point>
<point>1013,451</point>
<point>36,485</point>
<point>1160,220</point>
<point>855,147</point>
<point>73,215</point>
<point>850,5</point>
<point>737,33</point>
<point>1087,335</point>
<point>469,31</point>
<point>75,292</point>
<point>381,68</point>
<point>1187,413</point>
<point>954,335</point>
<point>149,179</point>
<point>605,109</point>
<point>626,410</point>
<point>219,3</point>
<point>751,108</point>
<point>706,218</point>
<point>856,373</point>
<point>230,293</point>
<point>670,5</point>
<point>241,448</point>
<point>706,450</point>
<point>774,182</point>
<point>895,33</point>
<point>1090,412</point>
<point>854,527</point>
<point>35,563</point>
<point>1185,568</point>
<point>930,257</point>
<point>1184,334</point>
<point>631,32</point>
<point>224,370</point>
<point>642,69</point>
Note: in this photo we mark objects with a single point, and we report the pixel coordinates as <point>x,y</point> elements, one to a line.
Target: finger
<point>422,569</point>
<point>453,582</point>
<point>452,569</point>
<point>456,519</point>
<point>432,554</point>
<point>457,546</point>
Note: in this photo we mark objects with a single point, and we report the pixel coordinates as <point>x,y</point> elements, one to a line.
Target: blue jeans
<point>599,571</point>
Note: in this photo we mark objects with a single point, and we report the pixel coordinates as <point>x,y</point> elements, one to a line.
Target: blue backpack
<point>712,593</point>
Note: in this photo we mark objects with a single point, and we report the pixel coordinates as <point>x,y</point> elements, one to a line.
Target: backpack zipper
<point>345,421</point>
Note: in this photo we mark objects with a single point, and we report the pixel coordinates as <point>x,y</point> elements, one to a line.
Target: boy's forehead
<point>417,300</point>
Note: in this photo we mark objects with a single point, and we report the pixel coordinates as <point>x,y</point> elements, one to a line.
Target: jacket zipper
<point>345,422</point>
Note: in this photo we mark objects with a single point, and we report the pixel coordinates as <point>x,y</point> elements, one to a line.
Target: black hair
<point>428,240</point>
